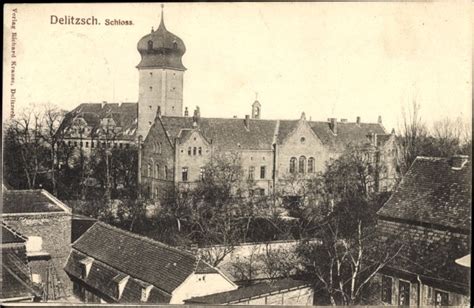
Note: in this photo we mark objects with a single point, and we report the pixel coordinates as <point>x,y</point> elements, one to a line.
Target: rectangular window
<point>185,174</point>
<point>387,289</point>
<point>251,173</point>
<point>262,172</point>
<point>403,293</point>
<point>201,174</point>
<point>262,192</point>
<point>75,143</point>
<point>441,298</point>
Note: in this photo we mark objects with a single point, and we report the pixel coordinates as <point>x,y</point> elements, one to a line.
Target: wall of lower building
<point>55,231</point>
<point>299,297</point>
<point>200,285</point>
<point>427,294</point>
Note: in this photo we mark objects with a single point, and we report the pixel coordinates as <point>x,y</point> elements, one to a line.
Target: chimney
<point>235,117</point>
<point>333,125</point>
<point>247,122</point>
<point>186,112</point>
<point>343,120</point>
<point>358,120</point>
<point>393,131</point>
<point>196,117</point>
<point>458,161</point>
<point>379,120</point>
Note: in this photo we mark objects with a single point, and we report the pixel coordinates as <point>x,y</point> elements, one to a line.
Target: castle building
<point>175,147</point>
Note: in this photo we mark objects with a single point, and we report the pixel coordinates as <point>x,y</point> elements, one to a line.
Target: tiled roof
<point>31,201</point>
<point>432,192</point>
<point>101,278</point>
<point>10,236</point>
<point>233,135</point>
<point>124,116</point>
<point>429,217</point>
<point>142,258</point>
<point>227,134</point>
<point>243,293</point>
<point>15,280</point>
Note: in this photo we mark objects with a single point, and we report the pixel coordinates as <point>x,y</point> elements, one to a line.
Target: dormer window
<point>120,283</point>
<point>145,293</point>
<point>86,265</point>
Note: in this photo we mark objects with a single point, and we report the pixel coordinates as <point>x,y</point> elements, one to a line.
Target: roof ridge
<point>144,238</point>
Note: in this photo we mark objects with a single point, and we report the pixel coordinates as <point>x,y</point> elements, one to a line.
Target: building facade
<point>279,292</point>
<point>428,217</point>
<point>174,145</point>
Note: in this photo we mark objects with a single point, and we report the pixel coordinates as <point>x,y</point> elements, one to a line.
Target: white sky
<point>328,59</point>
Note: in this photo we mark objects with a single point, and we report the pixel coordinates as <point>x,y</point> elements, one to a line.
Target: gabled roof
<point>245,293</point>
<point>124,116</point>
<point>150,261</point>
<point>31,201</point>
<point>432,192</point>
<point>104,278</point>
<point>15,281</point>
<point>227,134</point>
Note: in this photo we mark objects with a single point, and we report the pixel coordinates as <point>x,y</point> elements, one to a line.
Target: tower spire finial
<point>162,22</point>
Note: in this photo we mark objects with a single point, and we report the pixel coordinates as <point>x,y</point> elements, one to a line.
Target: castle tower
<point>256,109</point>
<point>160,76</point>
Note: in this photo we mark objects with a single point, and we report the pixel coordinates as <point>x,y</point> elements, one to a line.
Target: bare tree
<point>24,143</point>
<point>413,133</point>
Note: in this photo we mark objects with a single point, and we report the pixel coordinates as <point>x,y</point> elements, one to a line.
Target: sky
<point>339,60</point>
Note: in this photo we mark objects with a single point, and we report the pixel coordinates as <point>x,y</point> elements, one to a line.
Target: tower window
<point>194,151</point>
<point>189,151</point>
<point>150,45</point>
<point>151,88</point>
<point>200,151</point>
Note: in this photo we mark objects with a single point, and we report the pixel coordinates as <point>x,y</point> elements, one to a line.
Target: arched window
<point>200,151</point>
<point>301,164</point>
<point>293,165</point>
<point>189,150</point>
<point>150,44</point>
<point>166,172</point>
<point>310,165</point>
<point>194,151</point>
<point>157,171</point>
<point>159,147</point>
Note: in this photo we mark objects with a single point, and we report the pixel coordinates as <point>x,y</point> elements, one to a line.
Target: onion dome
<point>161,49</point>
